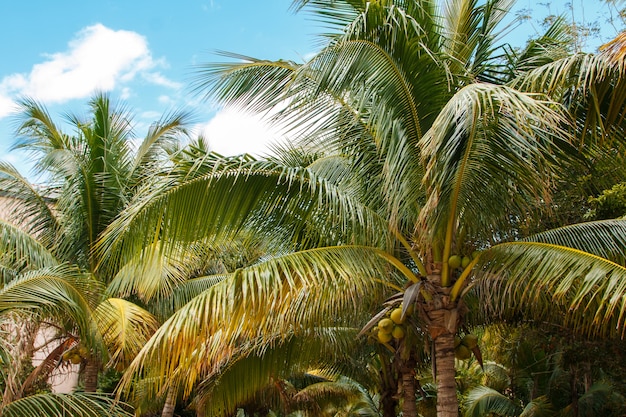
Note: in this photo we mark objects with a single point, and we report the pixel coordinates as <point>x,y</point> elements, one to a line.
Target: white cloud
<point>233,132</point>
<point>98,58</point>
<point>7,106</point>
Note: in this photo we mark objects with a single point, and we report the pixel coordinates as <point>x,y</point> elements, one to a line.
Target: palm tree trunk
<point>447,403</point>
<point>389,387</point>
<point>409,388</point>
<point>170,403</point>
<point>92,367</point>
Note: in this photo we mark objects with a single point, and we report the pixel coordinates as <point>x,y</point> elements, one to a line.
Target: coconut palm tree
<point>88,177</point>
<point>428,155</point>
<point>43,291</point>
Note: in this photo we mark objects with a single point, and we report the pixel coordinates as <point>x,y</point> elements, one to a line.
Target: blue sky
<point>143,52</point>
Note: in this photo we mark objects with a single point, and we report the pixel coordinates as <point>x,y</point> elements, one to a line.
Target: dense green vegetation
<point>438,182</point>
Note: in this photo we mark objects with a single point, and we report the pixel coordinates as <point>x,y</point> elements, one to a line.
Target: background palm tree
<point>427,152</point>
<point>87,179</point>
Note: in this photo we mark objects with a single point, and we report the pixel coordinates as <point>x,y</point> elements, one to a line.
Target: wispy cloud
<point>98,58</point>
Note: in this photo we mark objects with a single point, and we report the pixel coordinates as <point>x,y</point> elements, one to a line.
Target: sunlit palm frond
<point>232,195</point>
<point>335,14</point>
<point>538,407</point>
<point>151,152</point>
<point>591,86</point>
<point>543,281</point>
<point>76,405</point>
<point>125,328</point>
<point>495,140</point>
<point>284,295</point>
<point>259,84</point>
<point>149,275</point>
<point>246,376</point>
<point>605,238</point>
<point>551,46</point>
<point>187,291</point>
<point>37,132</point>
<point>58,291</point>
<point>482,401</point>
<point>26,206</point>
<point>22,251</point>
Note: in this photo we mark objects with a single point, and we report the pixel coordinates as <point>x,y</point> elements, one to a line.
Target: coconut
<point>396,316</point>
<point>462,352</point>
<point>385,325</point>
<point>384,337</point>
<point>465,261</point>
<point>454,261</point>
<point>457,341</point>
<point>397,332</point>
<point>470,340</point>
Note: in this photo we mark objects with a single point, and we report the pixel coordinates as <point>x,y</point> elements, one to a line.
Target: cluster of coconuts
<point>463,346</point>
<point>458,261</point>
<point>76,354</point>
<point>391,326</point>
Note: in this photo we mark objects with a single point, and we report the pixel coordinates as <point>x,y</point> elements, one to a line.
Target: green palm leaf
<point>57,405</point>
<point>221,393</point>
<point>58,291</point>
<point>22,200</point>
<point>606,238</point>
<point>283,295</point>
<point>489,138</point>
<point>482,401</point>
<point>578,289</point>
<point>20,250</point>
<point>125,327</point>
<point>238,194</point>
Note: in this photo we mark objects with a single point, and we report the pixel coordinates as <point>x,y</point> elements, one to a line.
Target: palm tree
<point>42,291</point>
<point>88,178</point>
<point>428,153</point>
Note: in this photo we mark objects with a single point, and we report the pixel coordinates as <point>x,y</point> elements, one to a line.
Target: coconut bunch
<point>76,354</point>
<point>467,345</point>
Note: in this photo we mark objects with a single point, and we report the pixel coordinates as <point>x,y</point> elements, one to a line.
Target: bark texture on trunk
<point>443,317</point>
<point>92,367</point>
<point>388,401</point>
<point>409,388</point>
<point>170,404</point>
<point>447,403</point>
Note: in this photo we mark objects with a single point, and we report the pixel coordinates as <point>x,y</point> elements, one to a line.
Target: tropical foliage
<point>423,166</point>
<point>430,142</point>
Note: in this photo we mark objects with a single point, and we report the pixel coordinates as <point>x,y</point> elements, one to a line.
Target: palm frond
<point>26,206</point>
<point>592,88</point>
<point>21,251</point>
<point>151,152</point>
<point>287,294</point>
<point>76,405</point>
<point>249,375</point>
<point>605,238</point>
<point>237,194</point>
<point>58,291</point>
<point>125,328</point>
<point>482,401</point>
<point>564,285</point>
<point>493,139</point>
<point>538,407</point>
